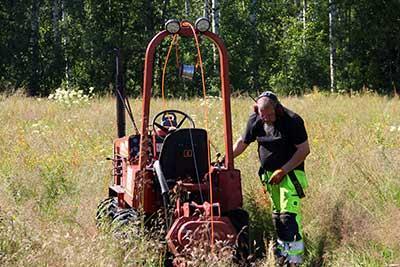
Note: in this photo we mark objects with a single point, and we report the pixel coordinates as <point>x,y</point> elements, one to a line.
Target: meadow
<point>53,173</point>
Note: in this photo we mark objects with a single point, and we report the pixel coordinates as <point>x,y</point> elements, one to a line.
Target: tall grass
<point>53,173</point>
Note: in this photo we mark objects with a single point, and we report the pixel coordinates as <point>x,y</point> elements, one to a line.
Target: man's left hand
<point>277,176</point>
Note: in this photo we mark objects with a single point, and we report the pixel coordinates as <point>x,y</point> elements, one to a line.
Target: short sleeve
<point>249,133</point>
<point>298,131</point>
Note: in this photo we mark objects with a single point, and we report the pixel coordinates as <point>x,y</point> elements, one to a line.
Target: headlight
<point>202,24</point>
<point>172,26</point>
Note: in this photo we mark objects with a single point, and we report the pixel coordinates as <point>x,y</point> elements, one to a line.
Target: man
<point>282,149</point>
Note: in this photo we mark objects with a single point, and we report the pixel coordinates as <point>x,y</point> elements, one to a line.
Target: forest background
<point>290,46</point>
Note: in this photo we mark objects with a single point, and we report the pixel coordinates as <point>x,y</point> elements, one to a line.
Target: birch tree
<point>187,8</point>
<point>34,83</point>
<point>215,29</point>
<point>332,45</point>
<point>304,15</point>
<point>254,33</point>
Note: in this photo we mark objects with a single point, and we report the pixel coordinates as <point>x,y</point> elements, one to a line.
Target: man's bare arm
<point>298,157</point>
<point>239,147</point>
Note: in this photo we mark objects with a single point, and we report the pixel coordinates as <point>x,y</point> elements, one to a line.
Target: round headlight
<point>172,26</point>
<point>202,24</point>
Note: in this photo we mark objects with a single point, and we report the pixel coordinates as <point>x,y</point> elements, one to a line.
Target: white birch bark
<point>215,29</point>
<point>332,45</point>
<point>187,8</point>
<point>64,40</point>
<point>304,14</point>
<point>215,11</point>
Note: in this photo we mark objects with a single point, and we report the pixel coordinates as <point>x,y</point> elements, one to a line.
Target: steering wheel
<point>170,117</point>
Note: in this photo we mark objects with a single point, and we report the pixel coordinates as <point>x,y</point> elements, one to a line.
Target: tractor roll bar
<point>147,85</point>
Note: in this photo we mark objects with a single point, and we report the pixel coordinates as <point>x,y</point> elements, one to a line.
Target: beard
<point>269,128</point>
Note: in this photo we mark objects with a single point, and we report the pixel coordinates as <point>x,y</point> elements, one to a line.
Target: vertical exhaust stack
<point>119,94</point>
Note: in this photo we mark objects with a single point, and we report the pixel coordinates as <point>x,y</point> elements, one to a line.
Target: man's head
<point>267,107</point>
<point>266,110</point>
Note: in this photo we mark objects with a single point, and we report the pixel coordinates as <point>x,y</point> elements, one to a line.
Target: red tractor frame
<point>150,165</point>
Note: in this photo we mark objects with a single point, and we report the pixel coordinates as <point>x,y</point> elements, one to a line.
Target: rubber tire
<point>106,209</point>
<point>240,220</point>
<point>125,216</point>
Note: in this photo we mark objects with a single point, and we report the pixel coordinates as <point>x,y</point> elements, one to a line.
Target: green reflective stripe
<point>281,247</point>
<point>295,252</point>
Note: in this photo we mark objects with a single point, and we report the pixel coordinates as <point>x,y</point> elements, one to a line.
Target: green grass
<point>53,173</point>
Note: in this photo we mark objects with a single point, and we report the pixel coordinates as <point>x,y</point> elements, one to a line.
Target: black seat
<point>184,154</point>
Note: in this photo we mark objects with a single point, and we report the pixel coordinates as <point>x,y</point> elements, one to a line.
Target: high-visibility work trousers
<point>286,216</point>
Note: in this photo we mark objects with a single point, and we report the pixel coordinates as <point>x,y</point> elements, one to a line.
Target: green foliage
<point>368,48</point>
<point>303,57</point>
<point>56,185</point>
<point>269,45</point>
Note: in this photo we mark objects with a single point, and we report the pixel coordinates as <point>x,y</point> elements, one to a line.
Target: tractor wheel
<point>106,209</point>
<point>124,217</point>
<point>125,222</point>
<point>240,220</point>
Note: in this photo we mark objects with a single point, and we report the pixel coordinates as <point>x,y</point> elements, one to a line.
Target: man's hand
<point>277,176</point>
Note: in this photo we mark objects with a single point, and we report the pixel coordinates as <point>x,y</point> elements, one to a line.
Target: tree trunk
<point>34,85</point>
<point>187,8</point>
<point>55,19</point>
<point>304,17</point>
<point>149,23</point>
<point>64,41</point>
<point>215,10</point>
<point>254,35</point>
<point>207,9</point>
<point>332,44</point>
<point>57,48</point>
<point>164,11</point>
<point>215,29</point>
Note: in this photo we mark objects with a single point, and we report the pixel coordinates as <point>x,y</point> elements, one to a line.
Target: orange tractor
<point>170,156</point>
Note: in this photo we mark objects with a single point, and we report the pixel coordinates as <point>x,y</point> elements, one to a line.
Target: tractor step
<point>117,191</point>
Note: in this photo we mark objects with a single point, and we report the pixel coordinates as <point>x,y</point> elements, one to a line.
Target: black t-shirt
<point>276,144</point>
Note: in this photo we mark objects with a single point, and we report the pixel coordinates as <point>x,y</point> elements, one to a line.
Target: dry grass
<point>53,173</point>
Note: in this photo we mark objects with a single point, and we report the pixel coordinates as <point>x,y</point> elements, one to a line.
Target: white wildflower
<point>71,96</point>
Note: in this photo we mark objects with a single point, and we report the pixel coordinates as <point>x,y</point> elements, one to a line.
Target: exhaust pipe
<point>120,95</point>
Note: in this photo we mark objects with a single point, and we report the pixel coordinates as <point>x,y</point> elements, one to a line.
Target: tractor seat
<point>184,155</point>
